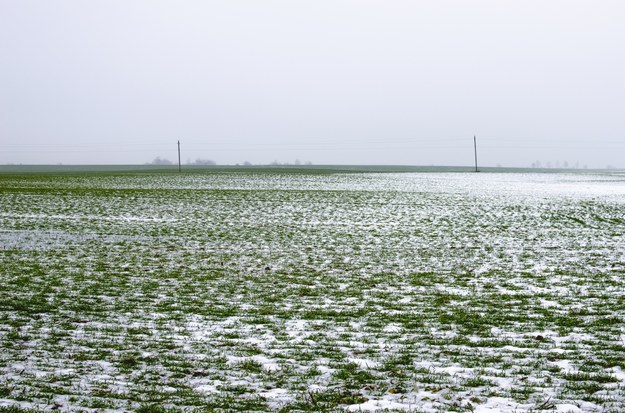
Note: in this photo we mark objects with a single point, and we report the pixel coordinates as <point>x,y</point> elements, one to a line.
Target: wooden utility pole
<point>475,150</point>
<point>179,164</point>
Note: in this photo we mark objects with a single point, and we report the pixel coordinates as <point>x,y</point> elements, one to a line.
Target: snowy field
<point>311,291</point>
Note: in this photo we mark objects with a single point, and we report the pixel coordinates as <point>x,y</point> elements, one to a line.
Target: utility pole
<point>475,150</point>
<point>179,164</point>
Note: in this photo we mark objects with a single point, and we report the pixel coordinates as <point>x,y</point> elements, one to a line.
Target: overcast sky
<point>326,81</point>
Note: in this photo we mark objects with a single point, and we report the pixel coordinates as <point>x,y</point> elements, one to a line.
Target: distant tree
<point>159,161</point>
<point>246,163</point>
<point>203,162</point>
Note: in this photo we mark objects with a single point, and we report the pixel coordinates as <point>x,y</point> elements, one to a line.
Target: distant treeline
<point>162,161</point>
<point>206,162</point>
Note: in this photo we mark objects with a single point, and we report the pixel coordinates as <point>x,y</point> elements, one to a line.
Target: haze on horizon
<point>326,81</point>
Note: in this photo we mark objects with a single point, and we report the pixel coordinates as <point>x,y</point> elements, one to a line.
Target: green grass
<point>286,289</point>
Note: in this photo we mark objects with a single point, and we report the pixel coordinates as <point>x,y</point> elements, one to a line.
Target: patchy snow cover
<point>364,292</point>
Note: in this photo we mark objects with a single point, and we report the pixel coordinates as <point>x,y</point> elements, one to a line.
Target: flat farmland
<point>312,290</point>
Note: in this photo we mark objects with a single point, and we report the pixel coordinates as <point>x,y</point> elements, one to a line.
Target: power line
<point>240,145</point>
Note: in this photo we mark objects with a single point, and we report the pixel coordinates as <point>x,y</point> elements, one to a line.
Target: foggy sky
<point>326,81</point>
